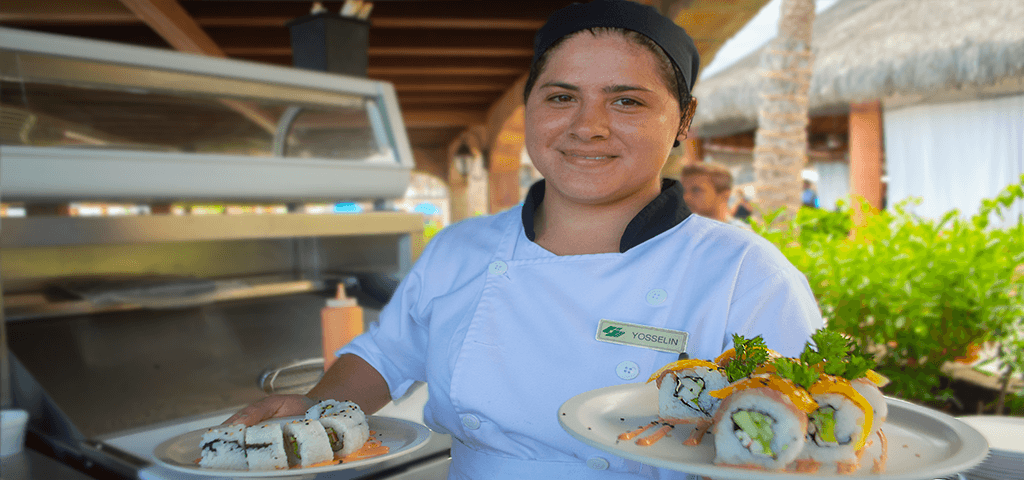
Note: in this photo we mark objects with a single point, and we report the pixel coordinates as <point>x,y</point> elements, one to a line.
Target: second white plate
<point>923,444</point>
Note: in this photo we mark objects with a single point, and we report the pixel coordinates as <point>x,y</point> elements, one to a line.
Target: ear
<point>687,118</point>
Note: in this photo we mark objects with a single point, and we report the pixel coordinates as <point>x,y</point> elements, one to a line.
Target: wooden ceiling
<point>450,61</point>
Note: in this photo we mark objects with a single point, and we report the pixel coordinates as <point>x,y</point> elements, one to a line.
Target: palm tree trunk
<point>780,151</point>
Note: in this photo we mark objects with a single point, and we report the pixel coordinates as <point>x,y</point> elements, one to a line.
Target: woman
<point>502,316</point>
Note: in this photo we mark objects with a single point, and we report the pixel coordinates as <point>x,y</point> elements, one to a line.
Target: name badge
<point>661,339</point>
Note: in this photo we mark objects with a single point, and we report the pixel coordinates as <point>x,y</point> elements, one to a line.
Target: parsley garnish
<point>749,354</point>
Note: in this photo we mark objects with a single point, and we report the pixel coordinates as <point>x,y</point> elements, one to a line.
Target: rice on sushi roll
<point>223,448</point>
<point>683,391</point>
<point>761,423</point>
<point>870,387</point>
<point>347,433</point>
<point>333,407</point>
<point>264,447</point>
<point>306,443</point>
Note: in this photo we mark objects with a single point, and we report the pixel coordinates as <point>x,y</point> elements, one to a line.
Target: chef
<point>601,276</point>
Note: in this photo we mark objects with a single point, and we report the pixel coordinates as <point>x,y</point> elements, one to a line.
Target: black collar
<point>664,212</point>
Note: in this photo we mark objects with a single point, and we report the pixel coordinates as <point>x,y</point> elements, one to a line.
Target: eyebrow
<point>609,89</point>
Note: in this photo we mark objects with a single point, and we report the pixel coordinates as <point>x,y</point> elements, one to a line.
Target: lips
<point>597,156</point>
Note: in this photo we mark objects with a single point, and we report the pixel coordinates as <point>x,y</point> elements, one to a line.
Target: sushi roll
<point>761,423</point>
<point>683,389</point>
<point>264,447</point>
<point>869,387</point>
<point>836,430</point>
<point>306,443</point>
<point>332,407</point>
<point>347,433</point>
<point>223,448</point>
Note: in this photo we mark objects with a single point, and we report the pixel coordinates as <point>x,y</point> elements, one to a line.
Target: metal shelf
<point>68,231</point>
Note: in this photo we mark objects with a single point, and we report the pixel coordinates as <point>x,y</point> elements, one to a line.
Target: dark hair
<point>670,73</point>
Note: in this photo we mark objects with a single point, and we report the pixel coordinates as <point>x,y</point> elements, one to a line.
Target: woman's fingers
<point>271,407</point>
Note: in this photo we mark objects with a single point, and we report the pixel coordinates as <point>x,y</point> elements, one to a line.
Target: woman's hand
<point>271,407</point>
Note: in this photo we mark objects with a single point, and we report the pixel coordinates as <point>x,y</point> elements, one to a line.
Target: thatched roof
<point>876,49</point>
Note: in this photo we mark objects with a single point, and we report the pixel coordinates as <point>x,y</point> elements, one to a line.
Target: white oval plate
<point>402,437</point>
<point>922,443</point>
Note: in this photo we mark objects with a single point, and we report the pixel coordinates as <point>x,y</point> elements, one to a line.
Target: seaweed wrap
<point>683,391</point>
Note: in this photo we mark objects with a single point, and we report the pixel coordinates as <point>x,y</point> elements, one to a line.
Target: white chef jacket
<point>503,331</point>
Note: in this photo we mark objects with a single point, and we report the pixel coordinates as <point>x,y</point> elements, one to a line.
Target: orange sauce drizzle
<point>634,433</point>
<point>654,437</point>
<point>880,462</point>
<point>372,448</point>
<point>698,434</point>
<point>807,465</point>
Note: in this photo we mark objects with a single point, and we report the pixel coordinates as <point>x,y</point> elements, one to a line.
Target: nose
<point>590,122</point>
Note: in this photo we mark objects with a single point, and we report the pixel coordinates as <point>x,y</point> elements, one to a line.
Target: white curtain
<point>953,155</point>
<point>833,183</point>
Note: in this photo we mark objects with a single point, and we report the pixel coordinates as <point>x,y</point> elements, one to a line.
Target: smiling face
<point>600,121</point>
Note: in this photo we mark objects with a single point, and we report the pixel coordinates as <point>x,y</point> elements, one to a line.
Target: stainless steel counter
<point>125,370</point>
<point>32,465</point>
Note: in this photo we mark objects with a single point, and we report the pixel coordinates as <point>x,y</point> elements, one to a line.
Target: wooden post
<point>866,152</point>
<point>694,150</point>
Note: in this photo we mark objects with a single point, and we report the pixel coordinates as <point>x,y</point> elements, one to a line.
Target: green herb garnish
<point>750,353</point>
<point>797,371</point>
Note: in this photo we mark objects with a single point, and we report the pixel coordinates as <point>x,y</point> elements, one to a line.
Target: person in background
<point>810,195</point>
<point>707,188</point>
<point>502,315</point>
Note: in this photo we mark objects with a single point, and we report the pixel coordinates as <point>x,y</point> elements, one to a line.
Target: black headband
<point>627,15</point>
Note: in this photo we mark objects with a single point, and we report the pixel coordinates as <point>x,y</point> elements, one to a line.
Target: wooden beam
<point>175,25</point>
<point>396,51</point>
<point>444,71</point>
<point>392,22</point>
<point>450,87</point>
<point>36,12</point>
<point>442,118</point>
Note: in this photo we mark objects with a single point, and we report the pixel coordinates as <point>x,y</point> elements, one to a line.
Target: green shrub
<point>915,292</point>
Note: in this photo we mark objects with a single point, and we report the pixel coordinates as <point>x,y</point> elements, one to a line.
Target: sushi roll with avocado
<point>837,430</point>
<point>306,443</point>
<point>223,448</point>
<point>264,447</point>
<point>347,433</point>
<point>761,423</point>
<point>683,388</point>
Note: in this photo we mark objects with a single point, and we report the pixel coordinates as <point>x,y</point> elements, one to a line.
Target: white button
<point>471,421</point>
<point>597,463</point>
<point>497,267</point>
<point>627,370</point>
<point>656,296</point>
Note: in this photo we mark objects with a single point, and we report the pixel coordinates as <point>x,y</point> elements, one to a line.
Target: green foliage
<point>916,293</point>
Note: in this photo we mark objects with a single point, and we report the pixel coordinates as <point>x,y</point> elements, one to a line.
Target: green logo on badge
<point>614,332</point>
